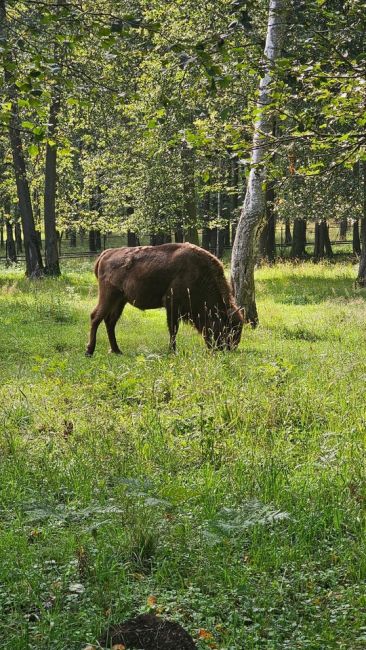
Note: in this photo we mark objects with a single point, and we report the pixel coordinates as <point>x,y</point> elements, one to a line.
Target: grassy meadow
<point>225,490</point>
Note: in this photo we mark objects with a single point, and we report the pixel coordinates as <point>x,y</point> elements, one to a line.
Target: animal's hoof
<point>88,354</point>
<point>115,352</point>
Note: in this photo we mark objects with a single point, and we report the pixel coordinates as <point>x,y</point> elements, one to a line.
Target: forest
<point>224,491</point>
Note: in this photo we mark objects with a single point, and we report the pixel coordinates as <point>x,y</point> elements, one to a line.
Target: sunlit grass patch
<point>231,487</point>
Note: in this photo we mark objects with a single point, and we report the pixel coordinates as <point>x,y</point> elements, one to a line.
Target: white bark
<point>253,212</point>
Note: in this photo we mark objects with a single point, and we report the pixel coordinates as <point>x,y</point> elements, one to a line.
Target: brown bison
<point>188,281</point>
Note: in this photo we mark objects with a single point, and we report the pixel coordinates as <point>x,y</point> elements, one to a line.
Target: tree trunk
<point>98,240</point>
<point>327,243</point>
<point>361,278</point>
<point>179,235</point>
<point>299,239</point>
<point>92,242</point>
<point>252,216</point>
<point>343,227</point>
<point>206,238</point>
<point>72,238</point>
<point>18,237</point>
<point>95,204</point>
<point>132,239</point>
<point>11,254</point>
<point>322,245</point>
<point>288,236</point>
<point>2,234</point>
<point>321,231</point>
<point>34,265</point>
<point>321,239</point>
<point>267,237</point>
<point>356,242</point>
<point>217,241</point>
<point>52,263</point>
<point>317,252</point>
<point>192,236</point>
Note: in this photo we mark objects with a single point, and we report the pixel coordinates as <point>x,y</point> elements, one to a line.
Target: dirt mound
<point>149,632</point>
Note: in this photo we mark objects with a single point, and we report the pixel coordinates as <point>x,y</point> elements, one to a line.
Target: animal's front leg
<point>173,325</point>
<point>173,344</point>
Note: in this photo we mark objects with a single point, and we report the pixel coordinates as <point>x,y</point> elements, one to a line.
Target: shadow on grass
<point>295,290</point>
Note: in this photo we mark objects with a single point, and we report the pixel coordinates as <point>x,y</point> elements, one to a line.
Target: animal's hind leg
<point>109,303</point>
<point>96,318</point>
<point>111,321</point>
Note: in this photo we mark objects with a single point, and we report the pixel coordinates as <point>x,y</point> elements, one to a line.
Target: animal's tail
<point>96,265</point>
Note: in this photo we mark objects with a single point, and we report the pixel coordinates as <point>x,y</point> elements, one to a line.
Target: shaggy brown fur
<point>185,279</point>
<point>150,633</point>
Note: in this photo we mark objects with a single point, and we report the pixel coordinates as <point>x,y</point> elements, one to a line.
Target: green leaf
<point>28,125</point>
<point>64,152</point>
<point>33,150</point>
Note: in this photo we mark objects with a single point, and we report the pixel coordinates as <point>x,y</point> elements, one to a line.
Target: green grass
<point>229,486</point>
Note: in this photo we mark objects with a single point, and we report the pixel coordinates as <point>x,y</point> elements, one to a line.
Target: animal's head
<point>223,329</point>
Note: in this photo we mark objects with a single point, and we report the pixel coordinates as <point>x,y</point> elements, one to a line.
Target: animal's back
<point>145,273</point>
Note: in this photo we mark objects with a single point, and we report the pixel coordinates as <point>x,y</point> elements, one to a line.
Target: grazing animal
<point>185,279</point>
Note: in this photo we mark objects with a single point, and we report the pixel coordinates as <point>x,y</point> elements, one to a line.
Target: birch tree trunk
<point>253,212</point>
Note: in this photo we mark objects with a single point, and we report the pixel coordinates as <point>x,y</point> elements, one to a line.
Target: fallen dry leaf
<point>204,634</point>
<point>119,646</point>
<point>151,601</point>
